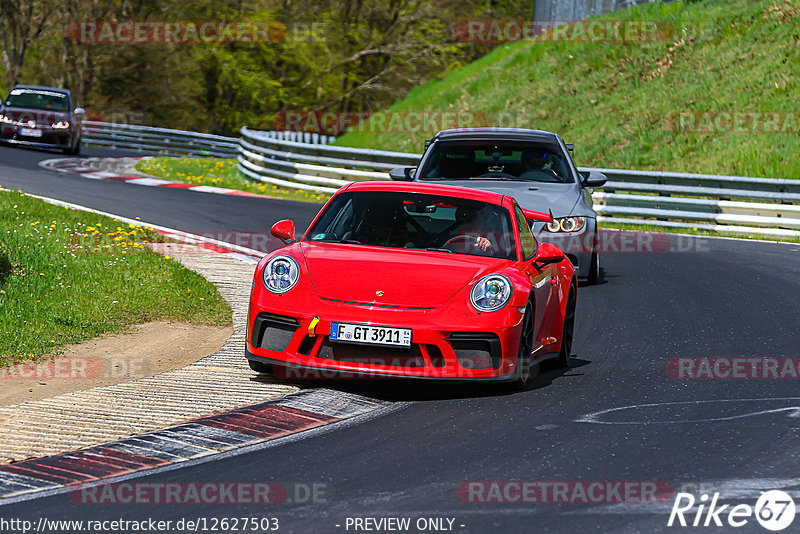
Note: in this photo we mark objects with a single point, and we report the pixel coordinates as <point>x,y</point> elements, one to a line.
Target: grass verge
<point>219,172</point>
<point>67,276</point>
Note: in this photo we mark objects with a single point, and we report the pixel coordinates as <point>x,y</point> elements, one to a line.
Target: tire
<point>568,331</point>
<point>594,267</point>
<point>73,150</point>
<point>523,373</point>
<point>260,367</point>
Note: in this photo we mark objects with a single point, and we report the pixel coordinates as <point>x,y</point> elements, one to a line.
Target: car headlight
<point>60,125</point>
<point>491,293</point>
<point>4,119</point>
<point>566,225</point>
<point>281,274</point>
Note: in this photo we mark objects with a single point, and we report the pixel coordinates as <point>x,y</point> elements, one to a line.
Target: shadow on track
<point>408,390</point>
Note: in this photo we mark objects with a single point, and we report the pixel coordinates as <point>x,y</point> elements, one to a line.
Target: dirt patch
<point>148,349</point>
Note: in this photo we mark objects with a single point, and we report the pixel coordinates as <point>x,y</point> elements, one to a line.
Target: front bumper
<point>444,345</point>
<point>50,138</point>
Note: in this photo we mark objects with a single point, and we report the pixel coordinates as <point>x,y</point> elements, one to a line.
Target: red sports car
<point>412,280</point>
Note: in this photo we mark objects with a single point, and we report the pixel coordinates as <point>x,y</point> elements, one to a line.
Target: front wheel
<point>594,263</point>
<point>73,150</point>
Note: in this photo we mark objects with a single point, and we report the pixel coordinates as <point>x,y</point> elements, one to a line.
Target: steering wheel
<point>467,243</point>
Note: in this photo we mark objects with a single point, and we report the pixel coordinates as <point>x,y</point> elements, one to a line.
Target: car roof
<point>480,195</point>
<point>43,88</point>
<point>482,134</point>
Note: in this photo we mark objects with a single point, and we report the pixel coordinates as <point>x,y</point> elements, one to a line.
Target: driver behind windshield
<point>470,229</point>
<point>541,165</point>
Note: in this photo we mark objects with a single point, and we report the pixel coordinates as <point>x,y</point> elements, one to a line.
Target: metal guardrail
<point>301,160</point>
<point>316,167</point>
<point>159,140</point>
<point>733,204</point>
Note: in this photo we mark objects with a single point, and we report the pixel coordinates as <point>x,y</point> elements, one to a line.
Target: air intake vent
<point>273,332</point>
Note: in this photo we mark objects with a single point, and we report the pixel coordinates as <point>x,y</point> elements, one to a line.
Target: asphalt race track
<point>704,298</point>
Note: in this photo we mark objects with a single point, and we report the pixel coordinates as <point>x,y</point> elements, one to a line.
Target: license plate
<point>370,335</point>
<point>29,132</point>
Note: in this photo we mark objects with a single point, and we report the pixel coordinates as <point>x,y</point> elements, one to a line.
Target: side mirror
<point>548,253</point>
<point>79,111</point>
<point>593,179</point>
<point>284,230</point>
<point>402,174</point>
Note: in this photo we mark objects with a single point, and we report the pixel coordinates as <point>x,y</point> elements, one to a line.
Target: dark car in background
<point>533,166</point>
<point>38,116</point>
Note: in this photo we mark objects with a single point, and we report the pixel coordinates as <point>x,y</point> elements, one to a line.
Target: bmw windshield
<point>523,161</point>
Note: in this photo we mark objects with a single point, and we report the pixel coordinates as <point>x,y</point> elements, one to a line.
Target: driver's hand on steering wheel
<point>483,243</point>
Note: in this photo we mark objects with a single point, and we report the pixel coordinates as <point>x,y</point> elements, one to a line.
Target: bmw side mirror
<point>593,179</point>
<point>79,111</point>
<point>284,230</point>
<point>402,174</point>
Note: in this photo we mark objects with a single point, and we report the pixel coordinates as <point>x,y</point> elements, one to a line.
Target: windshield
<point>37,99</point>
<point>418,222</point>
<point>501,160</point>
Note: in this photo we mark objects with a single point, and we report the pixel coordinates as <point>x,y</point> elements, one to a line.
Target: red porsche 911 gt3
<point>413,280</point>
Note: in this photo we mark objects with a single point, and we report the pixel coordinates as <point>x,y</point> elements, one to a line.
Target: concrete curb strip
<point>124,172</point>
<point>195,439</point>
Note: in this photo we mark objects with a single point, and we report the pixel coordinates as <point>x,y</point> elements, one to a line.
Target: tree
<point>21,23</point>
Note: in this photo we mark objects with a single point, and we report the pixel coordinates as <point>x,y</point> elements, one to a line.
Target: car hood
<point>41,117</point>
<point>407,278</point>
<point>537,196</point>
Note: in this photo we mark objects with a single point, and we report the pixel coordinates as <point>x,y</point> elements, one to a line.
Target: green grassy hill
<point>621,103</point>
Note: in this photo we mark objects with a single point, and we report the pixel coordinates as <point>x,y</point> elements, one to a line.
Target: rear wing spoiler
<point>537,215</point>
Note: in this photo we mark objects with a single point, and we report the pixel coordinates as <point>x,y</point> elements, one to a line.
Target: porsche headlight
<point>281,274</point>
<point>566,225</point>
<point>491,293</point>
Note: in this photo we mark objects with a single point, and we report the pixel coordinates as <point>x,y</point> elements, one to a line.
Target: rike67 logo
<point>774,510</point>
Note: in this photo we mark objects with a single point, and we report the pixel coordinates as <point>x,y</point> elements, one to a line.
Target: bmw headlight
<point>491,293</point>
<point>4,119</point>
<point>60,125</point>
<point>281,274</point>
<point>566,225</point>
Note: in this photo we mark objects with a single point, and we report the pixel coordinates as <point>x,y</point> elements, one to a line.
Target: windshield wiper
<point>499,178</point>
